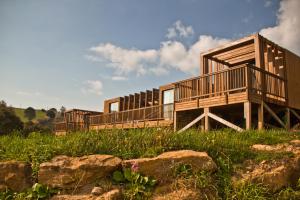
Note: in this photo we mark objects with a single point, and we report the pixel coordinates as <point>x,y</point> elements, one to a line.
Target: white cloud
<point>268,3</point>
<point>92,87</point>
<point>287,31</point>
<point>179,30</point>
<point>170,55</point>
<point>124,60</point>
<point>119,78</point>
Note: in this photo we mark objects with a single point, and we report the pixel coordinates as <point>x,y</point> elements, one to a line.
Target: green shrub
<point>136,185</point>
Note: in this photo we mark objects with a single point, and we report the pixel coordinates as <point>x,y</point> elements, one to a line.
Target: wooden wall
<point>293,77</point>
<point>134,101</point>
<point>109,101</point>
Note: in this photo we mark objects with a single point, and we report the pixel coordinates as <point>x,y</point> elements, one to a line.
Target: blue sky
<point>77,53</point>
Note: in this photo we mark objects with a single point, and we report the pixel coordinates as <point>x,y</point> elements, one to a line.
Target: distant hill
<point>39,114</point>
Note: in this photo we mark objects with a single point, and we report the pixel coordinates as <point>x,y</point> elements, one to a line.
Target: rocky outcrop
<point>274,174</point>
<point>15,175</point>
<point>293,147</point>
<point>114,194</point>
<point>182,194</point>
<point>74,172</point>
<point>163,166</point>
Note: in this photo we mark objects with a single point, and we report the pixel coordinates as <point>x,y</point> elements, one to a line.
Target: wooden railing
<point>70,126</point>
<point>153,113</point>
<point>233,80</point>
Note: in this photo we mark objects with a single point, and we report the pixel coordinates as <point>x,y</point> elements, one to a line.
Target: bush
<point>9,121</point>
<point>30,113</point>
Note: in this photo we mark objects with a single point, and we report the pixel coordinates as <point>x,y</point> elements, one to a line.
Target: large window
<point>168,96</point>
<point>168,100</point>
<point>114,107</point>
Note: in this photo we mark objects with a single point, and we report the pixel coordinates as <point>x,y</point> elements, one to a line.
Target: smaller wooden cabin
<point>75,120</point>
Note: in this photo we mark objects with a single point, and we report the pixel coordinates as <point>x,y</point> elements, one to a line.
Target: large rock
<point>16,176</point>
<point>114,194</point>
<point>74,172</point>
<point>274,174</point>
<point>181,194</point>
<point>162,167</point>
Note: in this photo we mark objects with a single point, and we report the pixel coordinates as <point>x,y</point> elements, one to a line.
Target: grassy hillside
<point>20,113</point>
<point>227,148</point>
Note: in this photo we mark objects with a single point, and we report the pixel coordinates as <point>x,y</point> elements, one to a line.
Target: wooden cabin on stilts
<point>251,83</point>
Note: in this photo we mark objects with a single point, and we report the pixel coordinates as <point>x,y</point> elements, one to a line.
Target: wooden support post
<point>206,119</point>
<point>202,124</point>
<point>260,117</point>
<point>175,121</point>
<point>288,119</point>
<point>247,115</point>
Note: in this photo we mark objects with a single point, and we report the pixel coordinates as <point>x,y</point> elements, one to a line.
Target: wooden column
<point>206,119</point>
<point>247,115</point>
<point>175,121</point>
<point>202,124</point>
<point>288,119</point>
<point>260,116</point>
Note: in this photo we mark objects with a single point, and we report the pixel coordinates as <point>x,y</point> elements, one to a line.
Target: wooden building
<point>249,83</point>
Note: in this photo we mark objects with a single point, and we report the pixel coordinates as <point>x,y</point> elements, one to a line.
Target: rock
<point>111,195</point>
<point>275,175</point>
<point>114,194</point>
<point>97,191</point>
<point>295,143</point>
<point>73,197</point>
<point>163,166</point>
<point>74,172</point>
<point>182,194</point>
<point>293,147</point>
<point>15,175</point>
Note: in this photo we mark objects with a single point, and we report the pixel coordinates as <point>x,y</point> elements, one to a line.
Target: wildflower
<point>134,167</point>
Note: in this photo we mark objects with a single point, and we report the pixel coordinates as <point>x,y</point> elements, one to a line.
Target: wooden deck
<point>234,85</point>
<point>147,117</point>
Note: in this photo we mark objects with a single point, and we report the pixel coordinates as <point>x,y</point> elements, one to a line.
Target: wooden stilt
<point>175,121</point>
<point>247,115</point>
<point>202,124</point>
<point>288,119</point>
<point>206,120</point>
<point>260,117</point>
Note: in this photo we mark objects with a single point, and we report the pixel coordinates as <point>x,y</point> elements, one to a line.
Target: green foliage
<point>37,192</point>
<point>30,113</point>
<point>8,119</point>
<point>39,114</point>
<point>250,191</point>
<point>226,147</point>
<point>137,186</point>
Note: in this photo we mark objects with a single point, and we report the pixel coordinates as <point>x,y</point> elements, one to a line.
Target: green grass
<point>20,113</point>
<point>226,147</point>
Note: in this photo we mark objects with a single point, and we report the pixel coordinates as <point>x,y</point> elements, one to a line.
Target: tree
<point>9,121</point>
<point>51,114</point>
<point>30,113</point>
